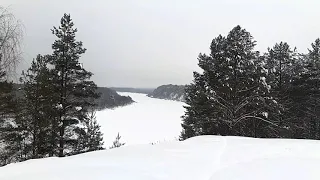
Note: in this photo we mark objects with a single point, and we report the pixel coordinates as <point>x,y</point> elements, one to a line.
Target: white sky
<point>147,43</point>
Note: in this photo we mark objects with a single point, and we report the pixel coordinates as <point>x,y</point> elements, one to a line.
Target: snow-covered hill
<point>199,158</point>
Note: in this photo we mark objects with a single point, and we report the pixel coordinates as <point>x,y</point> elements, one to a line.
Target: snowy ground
<point>149,120</point>
<point>200,158</point>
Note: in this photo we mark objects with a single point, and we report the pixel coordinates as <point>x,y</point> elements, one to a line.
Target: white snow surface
<point>148,120</point>
<point>199,158</point>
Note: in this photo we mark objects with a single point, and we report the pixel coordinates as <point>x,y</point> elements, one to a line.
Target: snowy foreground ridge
<point>199,158</point>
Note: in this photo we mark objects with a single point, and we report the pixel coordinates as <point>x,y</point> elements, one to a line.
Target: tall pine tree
<point>305,94</point>
<point>73,89</point>
<point>313,71</point>
<point>231,96</point>
<point>281,62</point>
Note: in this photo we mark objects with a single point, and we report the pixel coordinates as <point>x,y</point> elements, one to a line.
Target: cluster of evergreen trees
<point>54,114</point>
<point>244,93</point>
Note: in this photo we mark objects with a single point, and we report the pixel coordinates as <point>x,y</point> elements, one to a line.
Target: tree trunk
<point>61,142</point>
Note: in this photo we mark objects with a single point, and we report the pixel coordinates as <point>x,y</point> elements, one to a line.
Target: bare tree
<point>10,39</point>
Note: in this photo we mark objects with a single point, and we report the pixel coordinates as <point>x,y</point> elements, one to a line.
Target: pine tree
<point>231,96</point>
<point>72,86</point>
<point>281,64</point>
<point>305,93</point>
<point>90,137</point>
<point>313,103</point>
<point>197,110</point>
<point>37,106</point>
<point>117,143</point>
<point>27,134</point>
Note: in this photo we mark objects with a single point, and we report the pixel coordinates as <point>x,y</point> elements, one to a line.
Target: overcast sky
<point>147,43</point>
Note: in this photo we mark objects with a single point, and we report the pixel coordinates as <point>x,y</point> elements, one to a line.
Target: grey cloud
<point>144,43</point>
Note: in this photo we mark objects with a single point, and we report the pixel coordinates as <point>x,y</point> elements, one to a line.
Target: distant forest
<point>133,90</point>
<point>169,92</point>
<point>108,98</point>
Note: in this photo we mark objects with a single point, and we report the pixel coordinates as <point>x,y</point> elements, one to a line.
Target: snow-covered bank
<point>200,158</point>
<point>146,121</point>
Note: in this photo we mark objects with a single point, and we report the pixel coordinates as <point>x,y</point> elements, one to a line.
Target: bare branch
<point>10,39</point>
<point>255,117</point>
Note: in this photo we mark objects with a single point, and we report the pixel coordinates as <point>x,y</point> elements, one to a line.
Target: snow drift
<point>199,158</point>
